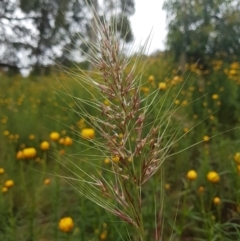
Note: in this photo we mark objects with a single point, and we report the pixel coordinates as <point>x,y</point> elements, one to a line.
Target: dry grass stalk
<point>129,114</point>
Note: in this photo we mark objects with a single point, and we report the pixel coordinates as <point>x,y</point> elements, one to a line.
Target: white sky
<point>149,16</point>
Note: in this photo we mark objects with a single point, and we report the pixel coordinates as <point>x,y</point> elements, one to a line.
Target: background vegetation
<point>201,184</point>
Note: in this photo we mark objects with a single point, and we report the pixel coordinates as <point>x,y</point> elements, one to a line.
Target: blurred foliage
<point>36,34</point>
<point>195,207</point>
<point>200,29</point>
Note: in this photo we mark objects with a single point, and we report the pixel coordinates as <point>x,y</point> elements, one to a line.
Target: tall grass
<point>123,150</point>
<point>134,132</point>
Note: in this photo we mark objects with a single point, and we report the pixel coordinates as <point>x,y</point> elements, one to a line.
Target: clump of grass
<point>134,132</point>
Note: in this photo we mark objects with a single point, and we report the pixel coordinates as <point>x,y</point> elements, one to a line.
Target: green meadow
<point>44,140</point>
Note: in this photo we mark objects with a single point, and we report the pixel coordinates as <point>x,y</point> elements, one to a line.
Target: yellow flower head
<point>115,158</point>
<point>47,181</point>
<point>184,103</point>
<point>45,145</point>
<point>201,189</point>
<point>62,151</point>
<point>29,152</point>
<point>31,137</point>
<point>151,78</point>
<point>63,132</point>
<point>54,136</point>
<point>81,123</point>
<point>232,72</point>
<point>234,65</point>
<point>145,89</point>
<point>9,183</point>
<point>106,102</point>
<point>2,170</point>
<point>186,129</point>
<point>213,177</point>
<point>61,141</point>
<point>177,102</point>
<point>206,138</point>
<point>192,175</point>
<point>176,79</point>
<point>20,155</point>
<point>106,161</point>
<point>104,225</point>
<point>167,186</point>
<point>216,201</point>
<point>237,157</point>
<point>4,120</point>
<point>88,133</point>
<point>66,224</point>
<point>6,133</point>
<point>4,189</point>
<point>67,141</point>
<point>215,96</point>
<point>103,235</point>
<point>162,86</point>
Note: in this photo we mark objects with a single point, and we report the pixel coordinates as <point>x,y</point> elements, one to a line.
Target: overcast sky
<point>149,15</point>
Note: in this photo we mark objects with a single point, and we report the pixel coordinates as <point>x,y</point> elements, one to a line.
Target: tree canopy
<point>35,33</point>
<point>200,28</point>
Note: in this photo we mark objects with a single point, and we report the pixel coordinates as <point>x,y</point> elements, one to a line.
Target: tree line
<point>202,29</point>
<point>36,33</point>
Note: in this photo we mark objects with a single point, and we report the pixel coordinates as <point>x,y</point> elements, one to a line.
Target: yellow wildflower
<point>186,129</point>
<point>206,138</point>
<point>63,132</point>
<point>106,102</point>
<point>6,133</point>
<point>4,189</point>
<point>47,181</point>
<point>103,235</point>
<point>151,78</point>
<point>45,145</point>
<point>215,96</point>
<point>29,152</point>
<point>88,133</point>
<point>54,136</point>
<point>237,157</point>
<point>234,65</point>
<point>4,120</point>
<point>167,186</point>
<point>66,224</point>
<point>177,102</point>
<point>216,200</point>
<point>9,183</point>
<point>106,161</point>
<point>184,103</point>
<point>192,175</point>
<point>20,155</point>
<point>201,189</point>
<point>31,137</point>
<point>115,158</point>
<point>145,89</point>
<point>162,86</point>
<point>213,177</point>
<point>67,141</point>
<point>61,141</point>
<point>232,72</point>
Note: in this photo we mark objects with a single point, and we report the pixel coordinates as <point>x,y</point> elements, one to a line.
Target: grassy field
<point>198,184</point>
